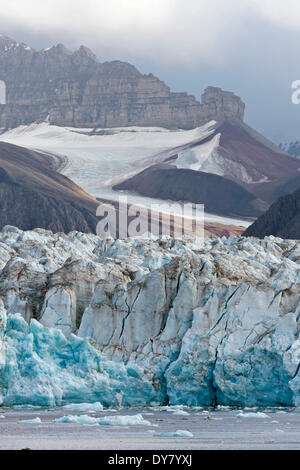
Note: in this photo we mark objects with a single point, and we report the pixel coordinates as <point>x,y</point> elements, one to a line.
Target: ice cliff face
<point>143,321</point>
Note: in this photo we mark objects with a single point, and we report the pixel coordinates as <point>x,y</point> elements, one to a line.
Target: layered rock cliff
<point>168,321</point>
<point>74,89</point>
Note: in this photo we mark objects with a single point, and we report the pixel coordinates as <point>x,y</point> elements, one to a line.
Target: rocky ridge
<point>33,194</point>
<point>282,219</point>
<point>74,89</point>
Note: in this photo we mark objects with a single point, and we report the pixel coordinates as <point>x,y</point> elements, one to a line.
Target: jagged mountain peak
<point>87,52</point>
<point>59,48</point>
<point>6,40</point>
<point>8,44</point>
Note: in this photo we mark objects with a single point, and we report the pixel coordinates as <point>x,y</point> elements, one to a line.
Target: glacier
<point>141,322</point>
<point>97,162</point>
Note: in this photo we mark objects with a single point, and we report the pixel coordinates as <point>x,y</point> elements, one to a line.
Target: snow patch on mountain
<point>96,162</point>
<point>195,158</point>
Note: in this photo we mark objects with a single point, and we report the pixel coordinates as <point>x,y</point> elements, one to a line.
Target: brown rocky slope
<point>32,194</point>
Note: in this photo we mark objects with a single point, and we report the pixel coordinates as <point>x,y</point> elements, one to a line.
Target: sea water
<point>149,428</point>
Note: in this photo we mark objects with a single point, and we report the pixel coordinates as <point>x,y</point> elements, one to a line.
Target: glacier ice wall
<point>142,321</point>
<point>42,367</point>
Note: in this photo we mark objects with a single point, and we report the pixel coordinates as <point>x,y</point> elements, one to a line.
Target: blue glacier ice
<point>179,433</point>
<point>41,367</point>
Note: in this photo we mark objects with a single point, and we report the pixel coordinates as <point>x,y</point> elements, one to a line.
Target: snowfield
<point>148,322</point>
<point>97,162</point>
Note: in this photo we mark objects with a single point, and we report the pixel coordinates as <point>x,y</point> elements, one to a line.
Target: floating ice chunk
<point>2,416</point>
<point>259,414</point>
<point>180,413</point>
<point>82,419</point>
<point>36,420</point>
<point>171,408</point>
<point>84,407</point>
<point>178,433</point>
<point>119,420</point>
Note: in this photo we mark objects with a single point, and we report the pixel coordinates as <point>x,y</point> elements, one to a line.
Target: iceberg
<point>36,420</point>
<point>74,419</point>
<point>118,420</point>
<point>84,407</point>
<point>259,414</point>
<point>179,433</point>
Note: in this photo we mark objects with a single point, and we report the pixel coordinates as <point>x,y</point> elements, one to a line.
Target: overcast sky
<point>250,47</point>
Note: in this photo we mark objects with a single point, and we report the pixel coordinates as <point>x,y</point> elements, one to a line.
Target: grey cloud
<point>243,49</point>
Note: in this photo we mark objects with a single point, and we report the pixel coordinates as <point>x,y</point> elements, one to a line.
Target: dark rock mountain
<point>281,220</point>
<point>242,176</point>
<point>219,195</point>
<point>258,157</point>
<point>74,89</point>
<point>32,194</point>
<point>256,163</point>
<point>249,172</point>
